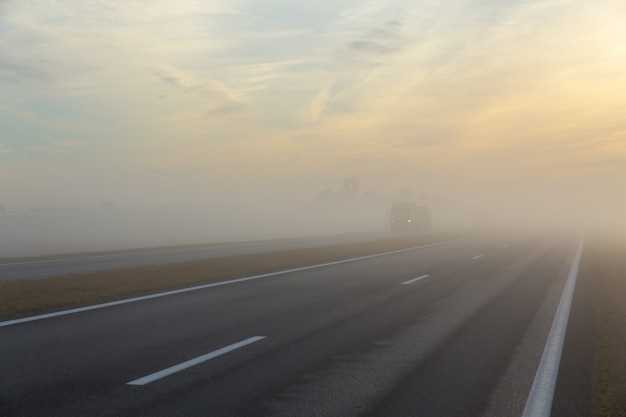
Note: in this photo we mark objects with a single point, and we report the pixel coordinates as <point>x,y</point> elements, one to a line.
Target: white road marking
<point>506,246</point>
<point>218,284</point>
<point>478,257</point>
<point>193,362</point>
<point>539,402</point>
<point>411,281</point>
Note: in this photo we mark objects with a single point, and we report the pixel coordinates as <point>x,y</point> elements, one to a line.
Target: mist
<point>347,206</point>
<point>129,125</point>
<point>72,231</point>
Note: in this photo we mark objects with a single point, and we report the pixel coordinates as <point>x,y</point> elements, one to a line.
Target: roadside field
<point>606,258</point>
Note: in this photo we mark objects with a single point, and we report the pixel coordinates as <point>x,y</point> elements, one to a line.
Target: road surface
<point>456,329</point>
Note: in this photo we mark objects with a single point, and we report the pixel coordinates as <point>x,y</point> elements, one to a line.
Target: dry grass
<point>39,295</point>
<point>609,287</point>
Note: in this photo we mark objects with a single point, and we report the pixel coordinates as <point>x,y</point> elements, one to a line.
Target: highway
<point>65,264</point>
<point>453,329</point>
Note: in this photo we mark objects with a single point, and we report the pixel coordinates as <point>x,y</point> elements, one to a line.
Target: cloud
<point>319,102</point>
<point>225,109</point>
<point>452,86</point>
<point>377,45</point>
<point>67,145</point>
<point>371,47</point>
<point>196,85</point>
<point>15,110</point>
<point>365,11</point>
<point>4,150</point>
<point>25,69</point>
<point>215,98</point>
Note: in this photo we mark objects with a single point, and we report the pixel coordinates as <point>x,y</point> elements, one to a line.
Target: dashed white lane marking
<point>193,362</point>
<point>218,284</point>
<point>411,281</point>
<point>539,402</point>
<point>478,257</point>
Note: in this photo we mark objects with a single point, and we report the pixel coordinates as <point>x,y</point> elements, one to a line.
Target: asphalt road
<point>74,264</point>
<point>456,329</point>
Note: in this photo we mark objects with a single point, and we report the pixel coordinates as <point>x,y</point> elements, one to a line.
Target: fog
<point>41,231</point>
<point>37,234</point>
<point>126,125</point>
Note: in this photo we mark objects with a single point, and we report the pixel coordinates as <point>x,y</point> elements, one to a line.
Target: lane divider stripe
<point>411,281</point>
<point>193,362</point>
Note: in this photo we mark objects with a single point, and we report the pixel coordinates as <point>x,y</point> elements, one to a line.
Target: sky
<point>513,103</point>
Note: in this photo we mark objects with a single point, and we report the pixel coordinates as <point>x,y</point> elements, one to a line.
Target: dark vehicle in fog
<point>406,217</point>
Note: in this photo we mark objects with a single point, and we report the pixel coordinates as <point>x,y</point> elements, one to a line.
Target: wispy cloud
<point>216,99</point>
<point>194,85</point>
<point>15,70</point>
<point>67,145</point>
<point>455,84</point>
<point>318,104</point>
<point>378,44</point>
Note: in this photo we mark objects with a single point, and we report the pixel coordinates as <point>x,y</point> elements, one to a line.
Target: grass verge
<point>609,292</point>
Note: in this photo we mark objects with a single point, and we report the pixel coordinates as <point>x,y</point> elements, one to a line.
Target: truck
<point>408,217</point>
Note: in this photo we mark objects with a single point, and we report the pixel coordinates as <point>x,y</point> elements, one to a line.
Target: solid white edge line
<point>217,284</point>
<point>477,257</point>
<point>411,281</point>
<point>539,402</point>
<point>193,362</point>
